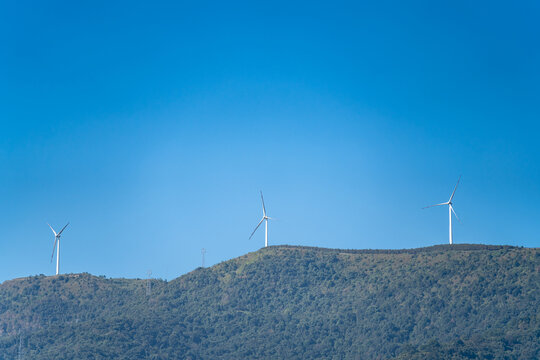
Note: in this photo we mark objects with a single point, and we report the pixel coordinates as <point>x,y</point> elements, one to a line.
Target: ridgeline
<point>289,302</point>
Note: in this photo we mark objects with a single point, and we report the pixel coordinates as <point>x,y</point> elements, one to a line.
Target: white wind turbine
<point>57,246</point>
<point>450,211</point>
<point>264,218</point>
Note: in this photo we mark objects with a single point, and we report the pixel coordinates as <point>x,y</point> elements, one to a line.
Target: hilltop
<point>290,302</point>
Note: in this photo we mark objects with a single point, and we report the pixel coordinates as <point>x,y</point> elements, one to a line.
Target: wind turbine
<point>450,211</point>
<point>57,246</point>
<point>264,218</point>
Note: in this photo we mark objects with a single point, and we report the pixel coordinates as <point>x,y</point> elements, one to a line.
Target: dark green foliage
<point>285,302</point>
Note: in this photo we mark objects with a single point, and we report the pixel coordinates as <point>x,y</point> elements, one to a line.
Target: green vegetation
<point>285,302</point>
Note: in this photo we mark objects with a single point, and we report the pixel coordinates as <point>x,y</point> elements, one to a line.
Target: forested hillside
<point>285,302</point>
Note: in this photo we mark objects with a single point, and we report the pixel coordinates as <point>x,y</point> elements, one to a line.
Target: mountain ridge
<point>304,302</point>
<point>430,248</point>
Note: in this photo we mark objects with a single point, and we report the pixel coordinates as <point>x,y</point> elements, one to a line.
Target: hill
<point>287,302</point>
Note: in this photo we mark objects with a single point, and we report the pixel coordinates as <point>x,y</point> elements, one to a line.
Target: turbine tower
<point>203,252</point>
<point>57,246</point>
<point>450,211</point>
<point>264,218</point>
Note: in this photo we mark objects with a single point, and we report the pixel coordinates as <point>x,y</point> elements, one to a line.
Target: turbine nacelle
<point>57,235</point>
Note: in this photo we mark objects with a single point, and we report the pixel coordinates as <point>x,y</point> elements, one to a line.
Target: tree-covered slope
<point>284,302</point>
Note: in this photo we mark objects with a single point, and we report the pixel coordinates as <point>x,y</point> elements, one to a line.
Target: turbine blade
<point>52,229</point>
<point>256,227</point>
<point>435,205</point>
<point>264,209</point>
<point>63,229</point>
<point>457,217</point>
<point>453,192</point>
<point>54,247</point>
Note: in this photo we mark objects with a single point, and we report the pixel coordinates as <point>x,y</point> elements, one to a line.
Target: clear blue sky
<point>152,126</point>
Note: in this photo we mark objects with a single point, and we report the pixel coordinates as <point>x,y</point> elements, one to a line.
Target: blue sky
<point>152,126</point>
